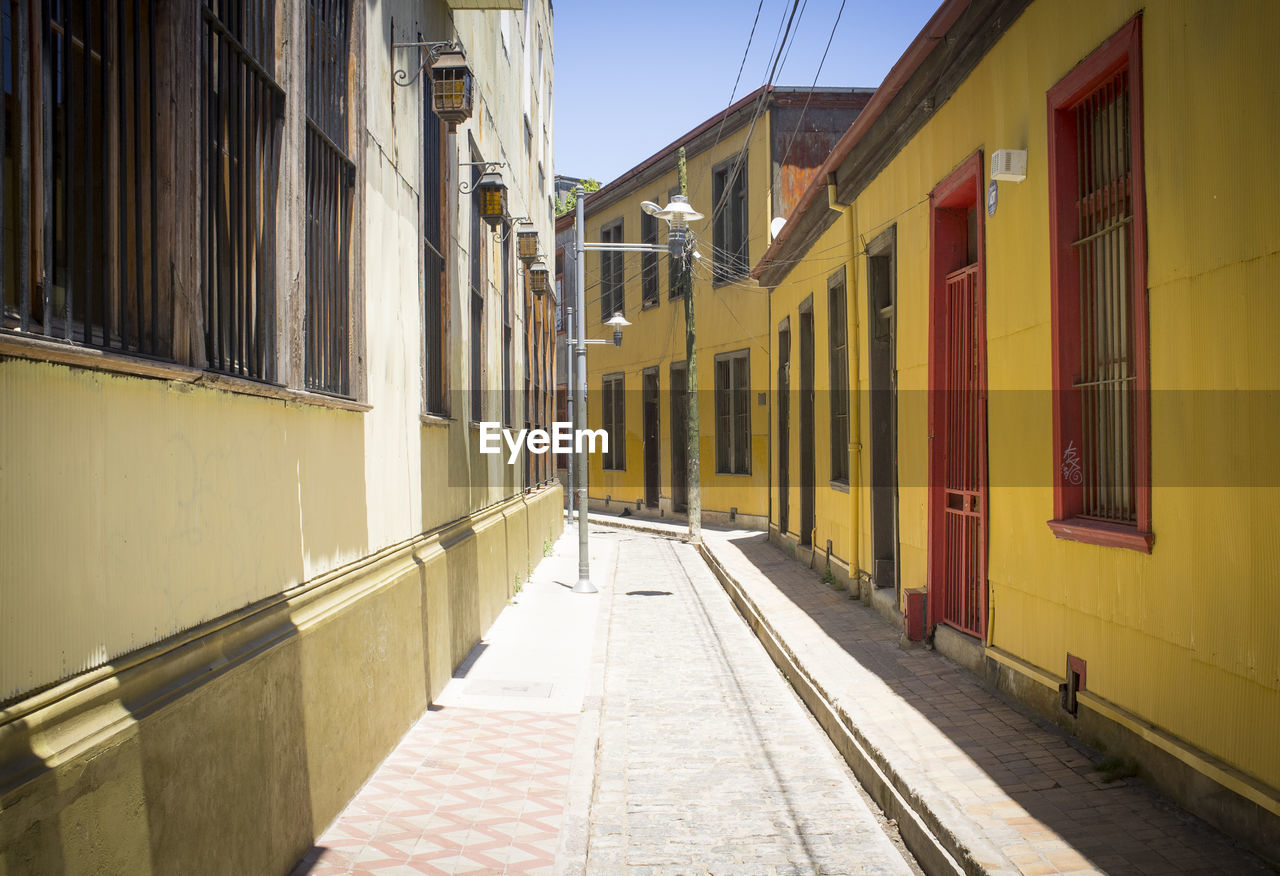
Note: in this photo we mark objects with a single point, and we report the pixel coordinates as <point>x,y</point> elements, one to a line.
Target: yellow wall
<point>260,727</point>
<point>1177,637</point>
<point>833,503</point>
<point>729,317</point>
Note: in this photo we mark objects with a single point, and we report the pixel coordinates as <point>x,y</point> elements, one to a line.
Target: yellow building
<point>1052,301</point>
<point>745,166</point>
<point>249,320</point>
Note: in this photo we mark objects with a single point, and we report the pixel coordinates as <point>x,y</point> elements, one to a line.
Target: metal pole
<point>584,584</point>
<point>570,389</point>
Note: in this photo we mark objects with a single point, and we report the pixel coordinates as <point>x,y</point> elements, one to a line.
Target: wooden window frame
<point>729,173</point>
<point>727,406</point>
<point>88,266</point>
<point>613,419</point>
<point>1122,50</point>
<point>838,376</point>
<point>613,282</point>
<point>650,296</point>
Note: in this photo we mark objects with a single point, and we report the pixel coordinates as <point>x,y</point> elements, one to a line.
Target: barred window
<point>435,299</point>
<point>1098,271</point>
<point>84,133</point>
<point>330,181</point>
<point>733,412</point>
<point>241,116</point>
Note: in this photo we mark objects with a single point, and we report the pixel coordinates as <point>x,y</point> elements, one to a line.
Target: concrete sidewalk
<point>976,784</point>
<point>478,784</point>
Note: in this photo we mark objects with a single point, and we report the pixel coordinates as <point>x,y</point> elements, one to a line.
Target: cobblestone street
<point>707,761</point>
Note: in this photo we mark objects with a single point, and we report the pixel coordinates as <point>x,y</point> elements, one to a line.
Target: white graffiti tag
<point>1071,471</point>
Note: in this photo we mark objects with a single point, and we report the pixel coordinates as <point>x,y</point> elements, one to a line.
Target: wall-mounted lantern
<point>451,79</point>
<point>490,190</point>
<point>538,278</point>
<point>451,87</point>
<point>528,246</point>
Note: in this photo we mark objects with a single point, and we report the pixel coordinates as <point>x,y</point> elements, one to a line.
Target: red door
<point>957,407</point>
<point>963,602</point>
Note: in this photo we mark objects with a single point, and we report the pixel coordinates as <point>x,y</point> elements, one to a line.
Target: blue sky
<point>620,96</point>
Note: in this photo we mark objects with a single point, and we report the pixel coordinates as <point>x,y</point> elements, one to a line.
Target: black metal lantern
<point>538,278</point>
<point>528,245</point>
<point>451,82</point>
<point>492,192</point>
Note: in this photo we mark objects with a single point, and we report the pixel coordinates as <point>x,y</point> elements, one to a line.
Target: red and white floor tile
<point>466,791</point>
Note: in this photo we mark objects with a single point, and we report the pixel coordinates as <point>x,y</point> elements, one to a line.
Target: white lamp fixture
<point>1009,165</point>
<point>618,321</point>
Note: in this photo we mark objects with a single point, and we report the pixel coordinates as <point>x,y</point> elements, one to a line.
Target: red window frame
<point>1122,50</point>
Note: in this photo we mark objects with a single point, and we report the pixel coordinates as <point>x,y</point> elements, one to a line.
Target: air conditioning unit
<point>1009,165</point>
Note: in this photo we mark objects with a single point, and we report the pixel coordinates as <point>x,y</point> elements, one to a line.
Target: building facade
<point>252,315</point>
<point>1020,323</point>
<point>745,166</point>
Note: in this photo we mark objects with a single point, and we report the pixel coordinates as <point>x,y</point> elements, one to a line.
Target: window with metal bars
<point>729,259</point>
<point>435,298</point>
<point>330,182</point>
<point>508,395</point>
<point>613,414</point>
<point>612,280</point>
<point>733,412</point>
<point>242,111</point>
<point>1102,492</point>
<point>837,338</point>
<point>476,280</point>
<point>84,135</point>
<point>648,262</point>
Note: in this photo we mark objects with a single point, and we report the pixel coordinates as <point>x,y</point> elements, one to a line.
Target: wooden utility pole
<point>691,371</point>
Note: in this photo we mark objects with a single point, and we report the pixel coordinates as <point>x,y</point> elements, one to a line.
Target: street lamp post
<point>677,214</point>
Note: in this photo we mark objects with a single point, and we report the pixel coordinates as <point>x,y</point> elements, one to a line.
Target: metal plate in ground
<point>490,687</point>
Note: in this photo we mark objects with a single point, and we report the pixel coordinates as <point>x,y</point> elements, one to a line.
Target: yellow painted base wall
<point>231,747</point>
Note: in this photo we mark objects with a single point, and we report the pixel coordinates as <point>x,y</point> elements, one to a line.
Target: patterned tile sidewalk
<point>466,791</point>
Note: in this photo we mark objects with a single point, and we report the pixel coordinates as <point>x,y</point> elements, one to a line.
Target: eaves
<point>938,60</point>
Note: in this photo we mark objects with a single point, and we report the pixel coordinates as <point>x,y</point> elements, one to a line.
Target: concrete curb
<point>936,849</point>
<point>575,830</point>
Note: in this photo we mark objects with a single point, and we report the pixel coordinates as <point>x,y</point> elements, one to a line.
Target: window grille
<point>434,297</point>
<point>80,202</point>
<point>330,180</point>
<point>241,116</point>
<point>1104,250</point>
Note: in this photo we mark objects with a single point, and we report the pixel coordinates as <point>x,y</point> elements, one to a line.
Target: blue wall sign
<point>992,197</point>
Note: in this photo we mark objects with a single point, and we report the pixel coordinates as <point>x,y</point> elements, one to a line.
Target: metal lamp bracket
<point>434,51</point>
<point>511,225</point>
<point>464,186</point>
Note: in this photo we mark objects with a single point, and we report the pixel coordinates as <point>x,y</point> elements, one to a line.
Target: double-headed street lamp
<point>677,214</point>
